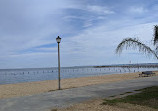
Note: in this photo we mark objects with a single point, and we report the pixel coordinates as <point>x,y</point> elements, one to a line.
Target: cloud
<point>90,31</point>
<point>99,9</point>
<point>27,24</point>
<point>138,10</point>
<point>99,44</point>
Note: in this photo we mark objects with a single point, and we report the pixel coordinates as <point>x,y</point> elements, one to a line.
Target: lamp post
<point>58,39</point>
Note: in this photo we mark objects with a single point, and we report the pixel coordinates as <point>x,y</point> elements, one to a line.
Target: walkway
<point>63,98</point>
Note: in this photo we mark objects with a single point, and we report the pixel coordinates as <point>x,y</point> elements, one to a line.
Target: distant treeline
<point>130,66</point>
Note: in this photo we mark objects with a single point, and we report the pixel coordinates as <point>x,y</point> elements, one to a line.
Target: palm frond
<point>156,50</point>
<point>155,34</point>
<point>135,43</point>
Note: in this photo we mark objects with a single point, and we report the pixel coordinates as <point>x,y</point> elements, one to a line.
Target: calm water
<point>8,76</point>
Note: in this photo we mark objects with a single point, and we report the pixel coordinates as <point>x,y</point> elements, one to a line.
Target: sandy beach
<point>30,88</point>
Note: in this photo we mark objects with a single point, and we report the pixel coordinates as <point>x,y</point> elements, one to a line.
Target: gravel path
<point>64,98</point>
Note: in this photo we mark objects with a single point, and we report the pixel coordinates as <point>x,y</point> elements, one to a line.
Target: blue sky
<point>90,31</point>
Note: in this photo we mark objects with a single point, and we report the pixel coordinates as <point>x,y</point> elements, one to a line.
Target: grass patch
<point>138,90</point>
<point>122,94</point>
<point>112,96</point>
<point>147,97</point>
<point>54,110</point>
<point>126,93</point>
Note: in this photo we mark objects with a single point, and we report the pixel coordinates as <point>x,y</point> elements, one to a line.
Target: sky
<point>90,31</point>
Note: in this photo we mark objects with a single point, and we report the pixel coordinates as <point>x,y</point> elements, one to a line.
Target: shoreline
<point>66,78</point>
<point>31,88</point>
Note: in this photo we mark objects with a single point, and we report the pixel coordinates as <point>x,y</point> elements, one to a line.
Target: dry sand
<point>30,88</point>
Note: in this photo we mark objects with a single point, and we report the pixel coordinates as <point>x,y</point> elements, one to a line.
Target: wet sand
<point>30,88</point>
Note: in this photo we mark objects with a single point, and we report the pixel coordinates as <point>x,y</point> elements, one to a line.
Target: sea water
<point>9,76</point>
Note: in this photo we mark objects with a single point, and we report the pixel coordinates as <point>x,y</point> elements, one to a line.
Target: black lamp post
<point>58,39</point>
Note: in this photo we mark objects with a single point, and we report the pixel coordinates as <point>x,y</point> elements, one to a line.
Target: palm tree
<point>137,44</point>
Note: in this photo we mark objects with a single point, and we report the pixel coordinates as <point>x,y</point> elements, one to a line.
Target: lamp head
<point>58,39</point>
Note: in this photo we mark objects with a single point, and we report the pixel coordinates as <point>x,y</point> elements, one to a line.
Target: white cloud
<point>97,45</point>
<point>88,23</point>
<point>139,10</point>
<point>94,46</point>
<point>99,9</point>
<point>26,25</point>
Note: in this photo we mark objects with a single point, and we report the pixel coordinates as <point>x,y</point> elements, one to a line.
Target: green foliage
<point>147,97</point>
